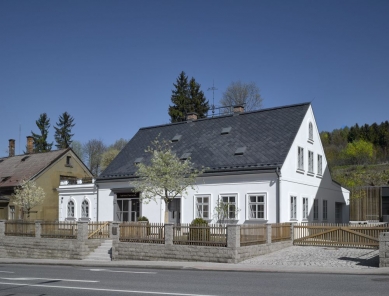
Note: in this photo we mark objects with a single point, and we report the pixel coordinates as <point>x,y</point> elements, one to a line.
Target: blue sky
<point>112,64</point>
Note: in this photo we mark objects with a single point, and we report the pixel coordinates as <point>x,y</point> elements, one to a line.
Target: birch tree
<point>27,196</point>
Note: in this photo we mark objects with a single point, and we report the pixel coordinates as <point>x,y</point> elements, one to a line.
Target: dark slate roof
<point>267,135</point>
<point>15,169</point>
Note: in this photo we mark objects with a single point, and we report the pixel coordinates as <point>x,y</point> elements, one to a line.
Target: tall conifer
<point>63,130</point>
<point>40,140</point>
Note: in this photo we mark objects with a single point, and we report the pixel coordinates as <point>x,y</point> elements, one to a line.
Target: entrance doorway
<point>127,207</point>
<point>174,211</point>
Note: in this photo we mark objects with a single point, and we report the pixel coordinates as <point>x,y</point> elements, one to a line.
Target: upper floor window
<point>293,207</point>
<point>85,209</point>
<point>202,206</point>
<point>257,206</point>
<point>310,132</point>
<point>300,158</point>
<point>310,162</point>
<point>70,209</point>
<point>319,164</point>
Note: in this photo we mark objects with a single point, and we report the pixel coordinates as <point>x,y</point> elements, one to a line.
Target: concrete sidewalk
<point>196,266</point>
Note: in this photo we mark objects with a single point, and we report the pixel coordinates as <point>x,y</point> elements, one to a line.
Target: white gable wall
<point>301,183</point>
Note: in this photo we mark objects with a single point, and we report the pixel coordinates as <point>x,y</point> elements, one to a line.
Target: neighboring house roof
<point>252,140</point>
<point>15,169</point>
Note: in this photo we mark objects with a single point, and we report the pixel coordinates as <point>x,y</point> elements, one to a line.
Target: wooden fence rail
<point>338,235</point>
<point>20,228</point>
<point>280,232</point>
<point>98,230</point>
<point>200,235</point>
<point>142,232</point>
<point>253,234</point>
<point>59,229</point>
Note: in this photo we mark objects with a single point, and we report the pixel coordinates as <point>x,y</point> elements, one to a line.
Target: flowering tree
<point>27,196</point>
<point>167,176</point>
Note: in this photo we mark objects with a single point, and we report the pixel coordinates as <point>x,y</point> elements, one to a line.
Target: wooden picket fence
<point>253,234</point>
<point>214,235</point>
<point>142,232</point>
<point>19,228</point>
<point>338,235</point>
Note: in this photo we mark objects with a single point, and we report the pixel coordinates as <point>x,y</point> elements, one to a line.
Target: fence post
<point>292,231</point>
<point>2,228</point>
<point>233,236</point>
<point>82,231</point>
<point>268,233</point>
<point>169,234</point>
<point>38,228</point>
<point>114,232</point>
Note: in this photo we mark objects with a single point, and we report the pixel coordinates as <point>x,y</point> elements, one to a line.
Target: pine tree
<point>63,130</point>
<point>199,103</point>
<point>186,98</point>
<point>40,141</point>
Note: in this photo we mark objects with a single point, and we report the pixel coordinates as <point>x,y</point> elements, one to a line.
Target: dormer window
<point>226,130</point>
<point>240,151</point>
<point>310,132</point>
<point>176,138</point>
<point>24,158</point>
<point>185,156</point>
<point>138,160</point>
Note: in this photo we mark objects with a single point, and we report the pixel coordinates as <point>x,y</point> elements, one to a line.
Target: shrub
<point>148,227</point>
<point>142,219</point>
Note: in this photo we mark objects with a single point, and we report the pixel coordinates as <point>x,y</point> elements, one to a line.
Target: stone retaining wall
<point>384,249</point>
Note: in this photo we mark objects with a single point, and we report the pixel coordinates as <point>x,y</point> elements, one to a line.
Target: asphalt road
<point>23,280</point>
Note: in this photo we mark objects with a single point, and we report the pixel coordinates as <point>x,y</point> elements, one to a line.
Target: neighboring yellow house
<point>47,170</point>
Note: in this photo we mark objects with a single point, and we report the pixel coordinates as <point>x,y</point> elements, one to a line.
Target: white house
<point>269,164</point>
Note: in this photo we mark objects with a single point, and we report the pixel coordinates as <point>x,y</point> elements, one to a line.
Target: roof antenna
<point>213,88</point>
<point>20,131</point>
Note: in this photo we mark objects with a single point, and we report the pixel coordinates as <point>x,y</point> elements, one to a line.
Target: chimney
<point>11,148</point>
<point>238,109</point>
<point>191,116</point>
<point>30,144</point>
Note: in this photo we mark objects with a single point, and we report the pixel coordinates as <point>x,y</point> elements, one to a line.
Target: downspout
<point>97,206</point>
<point>278,173</point>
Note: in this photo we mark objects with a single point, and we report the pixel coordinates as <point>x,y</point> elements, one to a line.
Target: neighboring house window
<point>70,209</point>
<point>231,206</point>
<point>202,207</point>
<point>12,212</point>
<point>257,206</point>
<point>316,209</point>
<point>310,162</point>
<point>300,158</point>
<point>305,207</point>
<point>85,209</point>
<point>324,209</point>
<point>293,207</point>
<point>319,164</point>
<point>310,132</point>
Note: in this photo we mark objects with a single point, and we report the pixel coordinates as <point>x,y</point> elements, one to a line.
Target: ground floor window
<point>305,208</point>
<point>293,207</point>
<point>127,207</point>
<point>228,206</point>
<point>70,213</point>
<point>11,212</point>
<point>202,206</point>
<point>325,210</point>
<point>257,206</point>
<point>85,209</point>
<point>316,209</point>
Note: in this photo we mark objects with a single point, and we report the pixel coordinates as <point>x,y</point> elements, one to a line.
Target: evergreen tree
<point>63,131</point>
<point>40,140</point>
<point>186,98</point>
<point>198,102</point>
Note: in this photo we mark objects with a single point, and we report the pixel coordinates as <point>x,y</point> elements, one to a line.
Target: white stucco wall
<point>77,193</point>
<point>313,186</point>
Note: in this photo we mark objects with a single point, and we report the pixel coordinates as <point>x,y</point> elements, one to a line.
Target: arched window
<point>85,209</point>
<point>310,132</point>
<point>70,209</point>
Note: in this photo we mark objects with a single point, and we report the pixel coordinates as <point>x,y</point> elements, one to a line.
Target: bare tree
<point>93,151</point>
<point>238,93</point>
<point>78,149</point>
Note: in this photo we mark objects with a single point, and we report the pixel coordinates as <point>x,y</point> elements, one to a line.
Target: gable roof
<point>13,170</point>
<point>262,138</point>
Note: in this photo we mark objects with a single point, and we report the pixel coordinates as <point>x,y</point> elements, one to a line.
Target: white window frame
<point>74,209</point>
<point>195,201</point>
<point>310,162</point>
<point>300,158</point>
<point>320,164</point>
<point>221,197</point>
<point>305,208</point>
<point>310,132</point>
<point>257,203</point>
<point>325,209</point>
<point>83,210</point>
<point>315,209</point>
<point>293,207</point>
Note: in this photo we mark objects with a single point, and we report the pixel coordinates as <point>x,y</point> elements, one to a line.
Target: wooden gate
<point>338,235</point>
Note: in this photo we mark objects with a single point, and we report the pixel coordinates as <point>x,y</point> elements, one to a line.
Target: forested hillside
<point>359,155</point>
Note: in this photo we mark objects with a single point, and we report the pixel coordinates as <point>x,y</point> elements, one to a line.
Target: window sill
<point>300,171</point>
<point>310,141</point>
<point>319,176</point>
<point>311,174</point>
<point>293,219</point>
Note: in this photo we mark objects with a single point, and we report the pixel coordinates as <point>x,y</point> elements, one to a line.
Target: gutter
<point>97,207</point>
<point>278,173</point>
